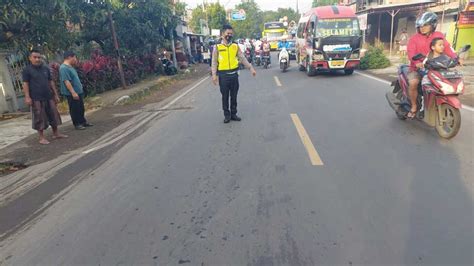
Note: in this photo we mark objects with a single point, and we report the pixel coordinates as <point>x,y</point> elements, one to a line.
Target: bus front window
<point>273,35</point>
<point>338,26</point>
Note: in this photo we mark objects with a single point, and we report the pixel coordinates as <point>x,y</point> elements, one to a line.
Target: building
<point>386,19</point>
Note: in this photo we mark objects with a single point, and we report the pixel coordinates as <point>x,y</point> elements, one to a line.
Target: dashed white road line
<point>466,107</point>
<point>277,81</point>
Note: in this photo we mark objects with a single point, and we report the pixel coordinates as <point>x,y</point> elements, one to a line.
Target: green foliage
<point>57,25</point>
<point>271,15</point>
<point>374,58</point>
<point>213,14</point>
<point>317,3</point>
<point>25,24</point>
<point>252,26</point>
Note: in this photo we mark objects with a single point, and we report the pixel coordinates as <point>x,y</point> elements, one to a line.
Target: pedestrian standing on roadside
<point>42,97</point>
<point>71,87</point>
<point>403,42</point>
<point>225,66</point>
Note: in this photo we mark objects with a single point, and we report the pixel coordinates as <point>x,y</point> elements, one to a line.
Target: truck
<point>328,39</point>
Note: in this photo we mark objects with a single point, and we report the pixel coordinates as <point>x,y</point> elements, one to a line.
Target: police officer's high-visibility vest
<point>227,57</point>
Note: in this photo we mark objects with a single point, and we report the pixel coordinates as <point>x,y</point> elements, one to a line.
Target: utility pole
<point>116,46</point>
<point>442,16</point>
<point>175,62</point>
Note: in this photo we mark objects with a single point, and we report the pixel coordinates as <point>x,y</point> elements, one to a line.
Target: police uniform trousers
<point>229,86</point>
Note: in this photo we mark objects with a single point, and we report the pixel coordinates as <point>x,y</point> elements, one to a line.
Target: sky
<point>304,5</point>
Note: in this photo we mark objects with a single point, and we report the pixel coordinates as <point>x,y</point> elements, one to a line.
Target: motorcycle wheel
<point>449,123</point>
<point>400,114</point>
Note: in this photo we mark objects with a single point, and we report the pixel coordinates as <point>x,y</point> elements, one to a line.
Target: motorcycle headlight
<point>444,87</point>
<point>318,56</point>
<point>460,89</point>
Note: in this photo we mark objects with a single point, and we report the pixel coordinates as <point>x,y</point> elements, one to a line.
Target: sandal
<point>411,115</point>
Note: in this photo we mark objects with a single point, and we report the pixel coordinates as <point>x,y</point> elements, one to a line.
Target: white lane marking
<point>146,119</point>
<point>277,81</point>
<point>467,107</point>
<point>374,78</point>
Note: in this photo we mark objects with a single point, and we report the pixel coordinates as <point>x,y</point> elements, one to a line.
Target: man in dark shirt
<point>41,95</point>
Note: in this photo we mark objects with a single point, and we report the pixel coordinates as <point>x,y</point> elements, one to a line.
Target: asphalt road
<point>187,189</point>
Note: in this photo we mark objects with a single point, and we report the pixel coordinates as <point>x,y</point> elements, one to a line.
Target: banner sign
<point>238,14</point>
<point>466,19</point>
<point>362,21</point>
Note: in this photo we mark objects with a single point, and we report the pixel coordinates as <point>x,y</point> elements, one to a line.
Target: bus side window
<point>311,29</point>
<point>300,30</point>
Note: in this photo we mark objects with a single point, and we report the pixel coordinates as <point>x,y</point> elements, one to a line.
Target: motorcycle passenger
<point>421,43</point>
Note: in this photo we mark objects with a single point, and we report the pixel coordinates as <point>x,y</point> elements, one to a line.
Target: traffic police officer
<point>225,66</point>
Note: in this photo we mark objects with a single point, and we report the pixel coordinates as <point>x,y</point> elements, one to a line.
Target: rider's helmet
<point>428,18</point>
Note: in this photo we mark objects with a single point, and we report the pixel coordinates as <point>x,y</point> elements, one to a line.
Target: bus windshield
<point>337,26</point>
<point>273,35</point>
<point>273,26</point>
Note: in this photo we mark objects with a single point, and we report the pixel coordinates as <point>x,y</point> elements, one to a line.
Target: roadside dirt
<point>29,152</point>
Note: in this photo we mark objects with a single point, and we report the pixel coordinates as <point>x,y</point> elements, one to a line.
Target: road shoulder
<point>28,152</point>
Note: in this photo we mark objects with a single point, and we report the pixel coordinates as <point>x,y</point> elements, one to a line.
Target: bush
<point>100,73</point>
<point>374,58</point>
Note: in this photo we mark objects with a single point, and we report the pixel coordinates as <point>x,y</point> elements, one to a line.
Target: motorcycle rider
<point>266,50</point>
<point>242,45</point>
<point>283,44</point>
<point>257,47</point>
<point>421,43</point>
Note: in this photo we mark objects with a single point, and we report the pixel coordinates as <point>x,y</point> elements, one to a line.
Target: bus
<point>328,39</point>
<point>274,32</point>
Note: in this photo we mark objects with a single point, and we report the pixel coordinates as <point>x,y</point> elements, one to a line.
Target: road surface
<point>319,172</point>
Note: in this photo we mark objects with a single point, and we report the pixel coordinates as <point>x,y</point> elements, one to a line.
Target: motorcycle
<point>258,57</point>
<point>284,59</point>
<point>266,59</point>
<point>438,102</point>
<point>248,55</point>
<point>168,67</point>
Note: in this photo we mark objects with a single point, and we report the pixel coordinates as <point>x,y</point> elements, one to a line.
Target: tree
<point>213,14</point>
<point>251,27</point>
<point>271,15</point>
<point>57,25</point>
<point>28,24</point>
<point>317,3</point>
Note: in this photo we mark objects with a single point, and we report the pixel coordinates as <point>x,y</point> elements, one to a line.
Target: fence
<point>16,63</point>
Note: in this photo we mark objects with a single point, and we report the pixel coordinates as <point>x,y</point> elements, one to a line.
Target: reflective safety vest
<point>227,57</point>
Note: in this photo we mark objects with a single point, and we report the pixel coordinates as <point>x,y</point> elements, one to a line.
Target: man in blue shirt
<point>71,87</point>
